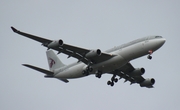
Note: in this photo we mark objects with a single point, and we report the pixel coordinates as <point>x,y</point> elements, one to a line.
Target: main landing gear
<point>113,80</point>
<point>149,56</point>
<point>87,70</point>
<point>98,74</point>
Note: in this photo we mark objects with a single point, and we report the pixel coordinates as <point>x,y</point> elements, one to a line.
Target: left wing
<point>85,55</point>
<point>39,39</point>
<point>129,73</point>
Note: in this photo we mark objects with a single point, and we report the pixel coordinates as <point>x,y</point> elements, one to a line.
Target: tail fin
<point>53,60</point>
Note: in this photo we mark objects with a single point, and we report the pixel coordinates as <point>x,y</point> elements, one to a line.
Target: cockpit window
<point>158,37</point>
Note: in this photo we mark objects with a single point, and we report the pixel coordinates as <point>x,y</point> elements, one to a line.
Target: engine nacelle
<point>148,82</point>
<point>137,72</point>
<point>55,43</point>
<point>93,53</point>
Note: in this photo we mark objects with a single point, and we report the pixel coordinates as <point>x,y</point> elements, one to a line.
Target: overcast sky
<point>89,24</point>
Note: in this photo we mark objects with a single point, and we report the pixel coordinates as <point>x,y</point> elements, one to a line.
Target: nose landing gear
<point>150,53</point>
<point>149,57</point>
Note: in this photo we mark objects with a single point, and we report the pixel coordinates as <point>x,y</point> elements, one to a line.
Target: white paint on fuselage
<point>74,71</point>
<point>124,54</point>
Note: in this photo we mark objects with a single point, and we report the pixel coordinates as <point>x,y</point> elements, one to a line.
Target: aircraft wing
<point>72,51</point>
<point>39,39</point>
<point>124,72</point>
<point>128,68</point>
<point>80,54</point>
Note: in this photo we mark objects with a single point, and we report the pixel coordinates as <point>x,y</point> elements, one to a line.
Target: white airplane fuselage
<point>124,54</point>
<point>115,61</point>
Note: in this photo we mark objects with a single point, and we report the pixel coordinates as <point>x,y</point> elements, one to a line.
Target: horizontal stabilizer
<point>64,80</point>
<point>49,74</point>
<point>39,69</point>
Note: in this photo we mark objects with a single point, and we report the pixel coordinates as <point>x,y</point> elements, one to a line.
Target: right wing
<point>128,68</point>
<point>125,72</point>
<point>72,51</point>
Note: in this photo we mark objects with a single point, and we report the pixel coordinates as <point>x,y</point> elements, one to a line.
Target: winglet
<point>14,29</point>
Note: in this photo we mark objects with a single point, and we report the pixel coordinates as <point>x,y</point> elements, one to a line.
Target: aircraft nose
<point>155,44</point>
<point>162,41</point>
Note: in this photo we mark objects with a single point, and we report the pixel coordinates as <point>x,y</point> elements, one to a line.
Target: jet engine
<point>93,53</point>
<point>148,82</point>
<point>55,43</point>
<point>137,72</point>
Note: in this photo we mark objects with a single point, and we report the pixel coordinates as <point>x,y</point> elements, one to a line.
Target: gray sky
<point>89,24</point>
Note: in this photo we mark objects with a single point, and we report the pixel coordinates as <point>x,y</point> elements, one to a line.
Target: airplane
<point>115,61</point>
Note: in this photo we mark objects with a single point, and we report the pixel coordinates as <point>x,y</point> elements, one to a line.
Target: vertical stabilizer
<point>53,61</point>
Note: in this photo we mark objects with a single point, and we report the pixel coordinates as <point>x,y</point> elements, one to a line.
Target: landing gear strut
<point>113,80</point>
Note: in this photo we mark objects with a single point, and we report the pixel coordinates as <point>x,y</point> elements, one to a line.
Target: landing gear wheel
<point>109,82</point>
<point>98,75</point>
<point>115,80</point>
<point>89,69</point>
<point>112,83</point>
<point>85,73</point>
<point>149,57</point>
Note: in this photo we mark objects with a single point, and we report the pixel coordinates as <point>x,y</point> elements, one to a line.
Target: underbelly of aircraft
<point>111,64</point>
<point>106,66</point>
